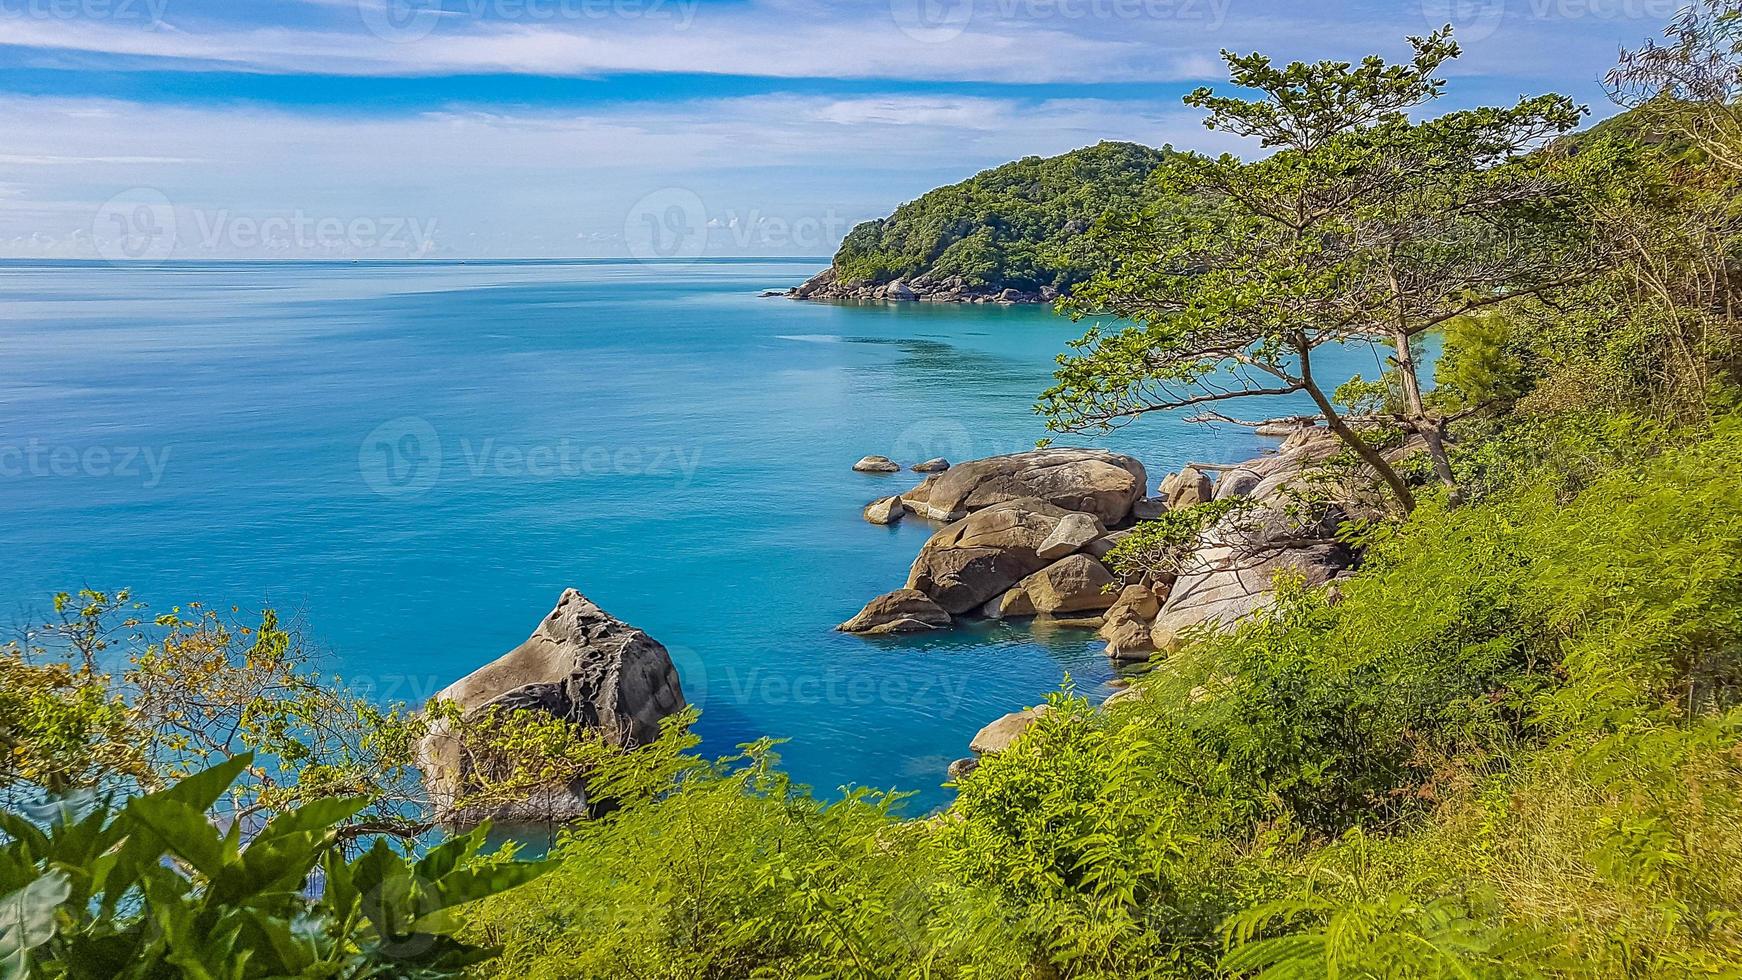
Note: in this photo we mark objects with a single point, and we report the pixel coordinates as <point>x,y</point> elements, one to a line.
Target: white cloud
<point>1012,41</point>
<point>490,182</point>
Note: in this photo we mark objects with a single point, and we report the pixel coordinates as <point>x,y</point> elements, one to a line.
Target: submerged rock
<point>581,665</point>
<point>901,611</point>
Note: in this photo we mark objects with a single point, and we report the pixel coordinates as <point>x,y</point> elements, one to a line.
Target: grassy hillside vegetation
<point>1507,747</point>
<point>1016,226</point>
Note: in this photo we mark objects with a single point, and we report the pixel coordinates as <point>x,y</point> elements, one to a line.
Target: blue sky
<point>553,128</point>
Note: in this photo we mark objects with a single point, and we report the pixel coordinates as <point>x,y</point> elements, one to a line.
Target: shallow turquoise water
<point>414,460</point>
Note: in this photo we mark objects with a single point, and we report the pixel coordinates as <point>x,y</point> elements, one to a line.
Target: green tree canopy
<point>1363,226</point>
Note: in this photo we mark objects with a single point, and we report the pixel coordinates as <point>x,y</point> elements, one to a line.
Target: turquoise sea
<point>413,460</point>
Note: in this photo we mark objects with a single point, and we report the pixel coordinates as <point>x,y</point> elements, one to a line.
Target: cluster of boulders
<point>581,665</point>
<point>924,288</point>
<point>1023,535</point>
<point>1027,535</point>
<point>1231,574</point>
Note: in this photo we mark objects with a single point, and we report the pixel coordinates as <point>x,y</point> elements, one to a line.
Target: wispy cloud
<point>1006,41</point>
<point>490,181</point>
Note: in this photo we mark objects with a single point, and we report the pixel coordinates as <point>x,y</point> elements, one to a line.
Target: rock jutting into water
<point>581,665</point>
<point>1003,733</point>
<point>901,611</point>
<point>827,285</point>
<point>885,511</point>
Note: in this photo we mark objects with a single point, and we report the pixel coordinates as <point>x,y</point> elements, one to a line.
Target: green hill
<point>1015,227</point>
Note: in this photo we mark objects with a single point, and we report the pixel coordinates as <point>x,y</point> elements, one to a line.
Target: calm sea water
<point>413,460</point>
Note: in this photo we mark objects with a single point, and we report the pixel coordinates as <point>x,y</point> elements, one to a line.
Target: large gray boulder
<point>888,510</point>
<point>1093,481</point>
<point>984,554</point>
<point>1234,569</point>
<point>1233,588</point>
<point>581,665</point>
<point>1188,487</point>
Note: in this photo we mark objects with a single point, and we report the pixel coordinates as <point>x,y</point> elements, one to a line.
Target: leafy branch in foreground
<point>1363,228</point>
<point>155,888</point>
<point>112,698</point>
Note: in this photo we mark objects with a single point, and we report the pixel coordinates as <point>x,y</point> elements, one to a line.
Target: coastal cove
<point>414,460</point>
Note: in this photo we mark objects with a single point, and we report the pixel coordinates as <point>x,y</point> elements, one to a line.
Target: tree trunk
<point>1431,430</point>
<point>1350,437</point>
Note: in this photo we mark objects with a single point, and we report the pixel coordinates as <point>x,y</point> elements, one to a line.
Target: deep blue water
<point>414,460</point>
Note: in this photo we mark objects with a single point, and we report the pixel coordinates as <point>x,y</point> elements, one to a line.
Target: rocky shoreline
<point>1027,535</point>
<point>923,288</point>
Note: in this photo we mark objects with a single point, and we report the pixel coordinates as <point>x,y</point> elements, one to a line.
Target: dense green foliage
<point>1507,748</point>
<point>1019,225</point>
<point>155,889</point>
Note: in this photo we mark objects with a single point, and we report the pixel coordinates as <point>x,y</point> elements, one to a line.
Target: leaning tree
<point>1361,226</point>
